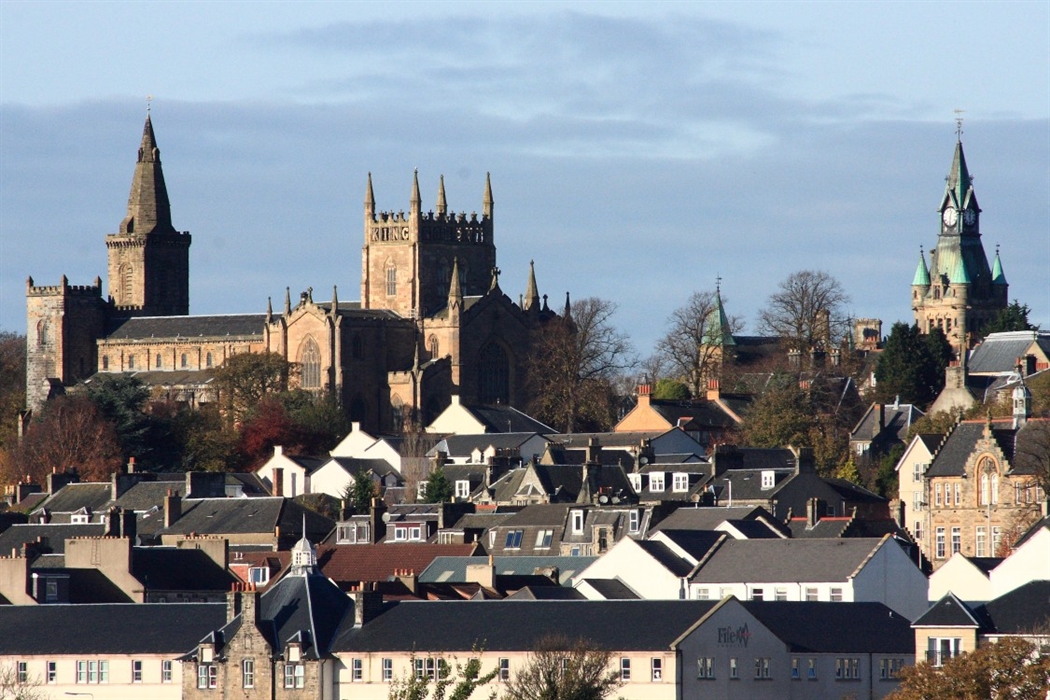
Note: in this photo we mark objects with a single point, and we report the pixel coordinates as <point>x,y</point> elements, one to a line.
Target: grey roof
<point>454,569</point>
<point>1024,610</point>
<point>667,558</point>
<point>147,494</point>
<point>897,419</point>
<point>379,467</point>
<point>169,569</point>
<point>160,377</point>
<point>54,535</point>
<point>823,627</point>
<point>772,561</point>
<point>950,459</point>
<point>1019,446</point>
<point>999,351</point>
<point>697,543</point>
<point>216,516</point>
<point>611,588</point>
<point>72,497</point>
<point>546,593</point>
<point>949,611</point>
<point>707,518</point>
<point>222,325</point>
<point>133,628</point>
<point>507,625</point>
<point>464,445</point>
<point>507,419</point>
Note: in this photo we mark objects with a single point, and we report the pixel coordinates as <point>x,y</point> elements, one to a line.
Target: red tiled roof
<point>377,562</point>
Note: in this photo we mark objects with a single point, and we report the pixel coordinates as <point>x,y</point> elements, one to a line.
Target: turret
<point>455,293</point>
<point>532,294</point>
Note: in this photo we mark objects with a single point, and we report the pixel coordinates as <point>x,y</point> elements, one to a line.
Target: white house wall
<point>627,561</point>
<point>961,577</point>
<point>893,579</point>
<point>1030,562</point>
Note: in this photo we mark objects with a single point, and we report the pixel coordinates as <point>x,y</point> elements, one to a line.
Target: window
<point>415,533</point>
<point>982,544</point>
<point>956,539</point>
<point>918,531</point>
<point>847,669</point>
<point>23,671</point>
<point>958,494</point>
<point>157,362</point>
<point>679,482</point>
<point>916,500</point>
<point>421,490</point>
<point>836,595</point>
<point>426,668</point>
<point>780,593</point>
<point>625,669</point>
<point>811,594</point>
<point>207,676</point>
<point>259,575</point>
<point>388,670</point>
<point>577,522</point>
<point>889,668</point>
<point>50,590</point>
<point>136,671</point>
<point>52,671</point>
<point>400,534</point>
<point>940,543</point>
<point>462,488</point>
<point>658,670</point>
<point>768,479</point>
<point>310,365</point>
<point>703,594</point>
<point>131,362</point>
<point>248,673</point>
<point>734,674</point>
<point>92,672</point>
<point>294,676</point>
<point>937,495</point>
<point>636,481</point>
<point>656,481</point>
<point>633,519</point>
<point>705,668</point>
<point>996,533</point>
<point>761,667</point>
<point>357,672</point>
<point>105,362</point>
<point>504,670</point>
<point>165,671</point>
<point>757,594</point>
<point>543,539</point>
<point>940,649</point>
<point>796,672</point>
<point>983,494</point>
<point>207,360</point>
<point>79,518</point>
<point>391,279</point>
<point>917,471</point>
<point>513,539</point>
<point>81,671</point>
<point>184,361</point>
<point>811,669</point>
<point>995,488</point>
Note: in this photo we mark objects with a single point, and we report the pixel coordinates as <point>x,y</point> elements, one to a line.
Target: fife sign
<point>733,636</point>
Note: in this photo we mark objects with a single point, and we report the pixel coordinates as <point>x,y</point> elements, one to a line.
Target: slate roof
<point>133,628</point>
<point>697,543</point>
<point>55,535</point>
<point>169,568</point>
<point>220,325</point>
<point>667,558</point>
<point>1024,610</point>
<point>464,445</point>
<point>773,561</point>
<point>1029,440</point>
<point>233,516</point>
<point>147,494</point>
<point>160,377</point>
<point>349,564</point>
<point>897,419</point>
<point>546,593</point>
<point>507,625</point>
<point>308,603</point>
<point>72,497</point>
<point>446,569</point>
<point>822,627</point>
<point>379,467</point>
<point>999,351</point>
<point>692,414</point>
<point>707,518</point>
<point>507,419</point>
<point>949,611</point>
<point>612,588</point>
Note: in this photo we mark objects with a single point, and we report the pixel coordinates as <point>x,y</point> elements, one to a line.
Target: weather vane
<point>149,100</point>
<point>718,282</point>
<point>958,123</point>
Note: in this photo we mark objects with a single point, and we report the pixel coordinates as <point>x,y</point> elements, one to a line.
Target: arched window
<point>310,362</point>
<point>207,360</point>
<point>184,361</point>
<point>989,481</point>
<point>41,332</point>
<point>995,488</point>
<point>391,278</point>
<point>493,374</point>
<point>105,362</point>
<point>157,362</point>
<point>397,413</point>
<point>433,346</point>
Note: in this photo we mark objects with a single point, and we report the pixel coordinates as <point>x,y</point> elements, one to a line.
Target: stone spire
<point>567,313</point>
<point>335,301</point>
<point>417,201</point>
<point>532,294</point>
<point>269,310</point>
<point>441,207</point>
<point>287,301</point>
<point>370,200</point>
<point>149,210</point>
<point>455,294</point>
<point>487,208</point>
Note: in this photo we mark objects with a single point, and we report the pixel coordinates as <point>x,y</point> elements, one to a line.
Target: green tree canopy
<point>911,367</point>
<point>360,492</point>
<point>1013,318</point>
<point>243,380</point>
<point>439,488</point>
<point>122,400</point>
<point>671,390</point>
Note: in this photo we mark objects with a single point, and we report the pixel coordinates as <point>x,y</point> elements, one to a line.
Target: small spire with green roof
<point>997,269</point>
<point>922,273</point>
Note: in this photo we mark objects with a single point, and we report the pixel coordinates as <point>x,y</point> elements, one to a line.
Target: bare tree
<point>564,669</point>
<point>17,684</point>
<point>807,311</point>
<point>693,347</point>
<point>573,365</point>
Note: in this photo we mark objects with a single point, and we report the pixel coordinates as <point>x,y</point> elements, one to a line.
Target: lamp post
<point>730,484</point>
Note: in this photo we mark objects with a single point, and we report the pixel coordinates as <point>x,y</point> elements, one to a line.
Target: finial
<point>487,208</point>
<point>718,283</point>
<point>495,279</point>
<point>149,101</point>
<point>996,250</point>
<point>269,309</point>
<point>441,206</point>
<point>335,300</point>
<point>958,124</point>
<point>287,301</point>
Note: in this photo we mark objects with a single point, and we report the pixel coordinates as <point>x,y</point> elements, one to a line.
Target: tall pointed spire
<point>335,301</point>
<point>720,331</point>
<point>269,310</point>
<point>487,209</point>
<point>567,313</point>
<point>922,273</point>
<point>960,185</point>
<point>370,200</point>
<point>417,201</point>
<point>149,210</point>
<point>455,294</point>
<point>441,207</point>
<point>532,294</point>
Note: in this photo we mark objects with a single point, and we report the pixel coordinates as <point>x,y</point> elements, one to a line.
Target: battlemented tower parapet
<point>407,258</point>
<point>63,322</point>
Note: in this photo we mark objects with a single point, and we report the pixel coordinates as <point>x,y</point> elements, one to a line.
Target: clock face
<point>950,216</point>
<point>969,216</point>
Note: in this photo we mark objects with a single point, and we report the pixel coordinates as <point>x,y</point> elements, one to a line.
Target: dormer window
<point>656,481</point>
<point>636,482</point>
<point>295,652</point>
<point>206,653</point>
<point>462,488</point>
<point>769,479</point>
<point>577,522</point>
<point>680,482</point>
<point>632,521</point>
<point>259,575</point>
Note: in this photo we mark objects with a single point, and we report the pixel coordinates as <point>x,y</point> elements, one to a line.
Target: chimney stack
<point>278,480</point>
<point>172,508</point>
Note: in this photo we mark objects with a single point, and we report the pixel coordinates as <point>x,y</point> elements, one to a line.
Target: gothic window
<point>397,412</point>
<point>184,361</point>
<point>157,361</point>
<point>989,482</point>
<point>433,347</point>
<point>124,275</point>
<point>443,275</point>
<point>41,332</point>
<point>391,279</point>
<point>310,362</point>
<point>207,360</point>
<point>493,374</point>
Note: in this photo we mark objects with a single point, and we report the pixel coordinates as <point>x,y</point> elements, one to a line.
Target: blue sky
<point>637,151</point>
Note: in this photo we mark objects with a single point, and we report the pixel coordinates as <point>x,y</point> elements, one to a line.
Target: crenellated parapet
<point>64,288</point>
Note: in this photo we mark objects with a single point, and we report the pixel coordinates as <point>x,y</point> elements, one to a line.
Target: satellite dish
<point>603,499</point>
<point>643,461</point>
<point>615,499</point>
<point>695,498</point>
<point>386,517</point>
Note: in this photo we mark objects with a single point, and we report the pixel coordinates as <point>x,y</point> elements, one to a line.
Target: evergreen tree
<point>1013,318</point>
<point>121,399</point>
<point>671,390</point>
<point>439,488</point>
<point>912,365</point>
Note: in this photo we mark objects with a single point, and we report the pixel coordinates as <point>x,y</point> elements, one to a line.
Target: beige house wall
<point>119,685</point>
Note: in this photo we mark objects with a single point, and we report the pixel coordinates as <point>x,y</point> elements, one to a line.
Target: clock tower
<point>958,291</point>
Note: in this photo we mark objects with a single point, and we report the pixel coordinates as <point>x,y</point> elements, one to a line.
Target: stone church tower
<point>958,292</point>
<point>149,261</point>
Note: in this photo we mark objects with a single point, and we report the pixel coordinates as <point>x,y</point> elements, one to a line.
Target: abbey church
<point>431,322</point>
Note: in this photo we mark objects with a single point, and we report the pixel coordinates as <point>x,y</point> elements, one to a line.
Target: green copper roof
<point>922,274</point>
<point>959,274</point>
<point>997,271</point>
<point>720,327</point>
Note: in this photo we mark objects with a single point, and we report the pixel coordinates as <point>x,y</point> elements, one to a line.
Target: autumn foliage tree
<point>1007,669</point>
